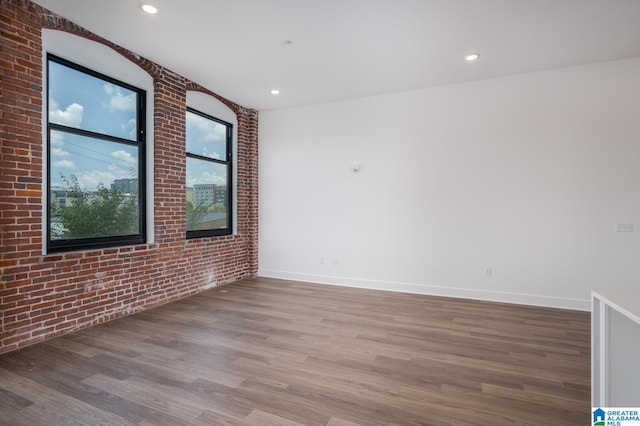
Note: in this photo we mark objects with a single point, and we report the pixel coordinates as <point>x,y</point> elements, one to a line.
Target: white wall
<point>526,175</point>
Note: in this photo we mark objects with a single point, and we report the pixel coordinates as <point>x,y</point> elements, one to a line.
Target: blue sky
<point>207,138</point>
<point>86,102</point>
<point>82,101</point>
<point>199,172</point>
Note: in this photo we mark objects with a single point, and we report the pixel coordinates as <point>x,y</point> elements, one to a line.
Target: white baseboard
<point>494,296</point>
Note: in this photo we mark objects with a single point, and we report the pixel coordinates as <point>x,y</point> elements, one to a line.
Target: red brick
<point>46,295</point>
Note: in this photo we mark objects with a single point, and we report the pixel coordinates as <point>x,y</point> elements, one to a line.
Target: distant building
<point>59,197</point>
<point>220,195</point>
<point>203,194</point>
<point>209,194</point>
<point>127,186</point>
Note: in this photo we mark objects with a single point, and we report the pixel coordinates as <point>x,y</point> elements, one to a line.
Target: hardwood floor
<point>268,352</point>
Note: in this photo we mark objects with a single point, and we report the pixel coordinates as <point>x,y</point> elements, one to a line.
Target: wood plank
<point>260,418</point>
<point>52,407</point>
<point>272,352</point>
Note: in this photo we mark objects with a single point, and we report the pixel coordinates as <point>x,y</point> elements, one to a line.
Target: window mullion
<point>95,157</point>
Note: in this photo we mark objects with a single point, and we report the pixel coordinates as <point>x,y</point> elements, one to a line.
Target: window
<point>95,162</point>
<point>209,196</point>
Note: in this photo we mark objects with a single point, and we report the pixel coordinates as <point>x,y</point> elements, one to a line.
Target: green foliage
<point>195,214</point>
<point>219,208</point>
<point>107,212</point>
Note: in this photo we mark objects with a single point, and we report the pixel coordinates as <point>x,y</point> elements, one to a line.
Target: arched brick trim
<point>42,296</point>
<point>197,88</point>
<point>54,21</point>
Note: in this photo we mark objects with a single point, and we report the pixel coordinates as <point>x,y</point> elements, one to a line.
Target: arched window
<point>210,135</point>
<point>96,146</point>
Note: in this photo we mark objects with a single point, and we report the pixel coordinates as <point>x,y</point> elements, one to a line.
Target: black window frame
<point>75,244</point>
<point>228,230</point>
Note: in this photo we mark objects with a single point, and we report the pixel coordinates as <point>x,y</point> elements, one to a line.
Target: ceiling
<point>317,51</point>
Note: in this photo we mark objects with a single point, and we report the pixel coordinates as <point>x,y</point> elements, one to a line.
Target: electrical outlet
<point>624,227</point>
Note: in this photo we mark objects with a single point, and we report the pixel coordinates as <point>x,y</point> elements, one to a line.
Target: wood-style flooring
<point>267,352</point>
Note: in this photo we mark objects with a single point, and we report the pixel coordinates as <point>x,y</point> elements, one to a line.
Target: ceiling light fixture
<point>274,91</point>
<point>472,57</point>
<point>148,8</point>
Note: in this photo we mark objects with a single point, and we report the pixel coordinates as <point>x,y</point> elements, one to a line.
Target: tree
<point>195,214</point>
<point>107,212</point>
<point>219,208</point>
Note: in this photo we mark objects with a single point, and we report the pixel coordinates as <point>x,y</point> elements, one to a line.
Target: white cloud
<point>206,153</point>
<point>210,131</point>
<point>59,152</point>
<point>207,178</point>
<point>57,139</point>
<point>130,129</point>
<point>57,142</point>
<point>215,135</point>
<point>118,100</point>
<point>126,165</point>
<point>90,180</point>
<point>65,164</point>
<point>71,116</point>
<point>125,157</point>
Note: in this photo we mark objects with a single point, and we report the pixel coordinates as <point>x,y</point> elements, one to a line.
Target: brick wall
<point>42,296</point>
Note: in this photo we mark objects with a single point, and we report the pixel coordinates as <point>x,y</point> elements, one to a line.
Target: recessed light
<point>148,8</point>
<point>472,57</point>
<point>274,91</point>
